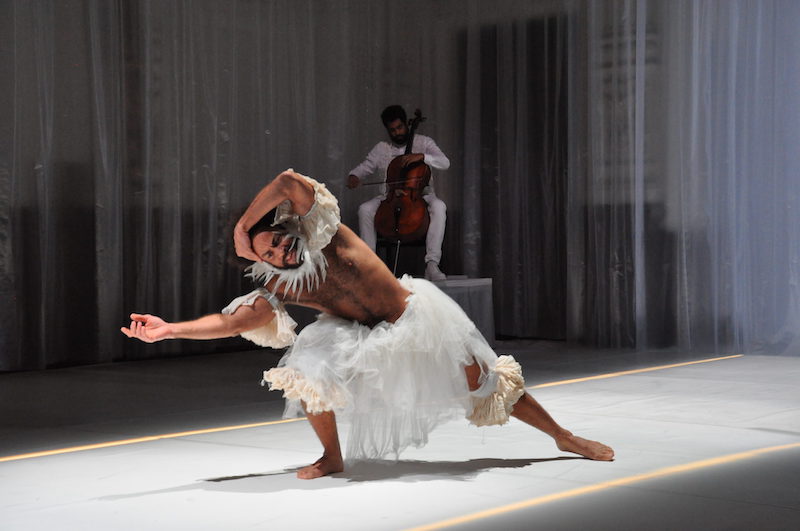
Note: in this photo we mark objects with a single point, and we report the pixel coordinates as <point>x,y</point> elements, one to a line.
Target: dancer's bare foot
<point>322,467</point>
<point>589,449</point>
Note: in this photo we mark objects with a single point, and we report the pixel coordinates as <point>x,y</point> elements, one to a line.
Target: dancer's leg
<point>324,425</point>
<point>529,411</point>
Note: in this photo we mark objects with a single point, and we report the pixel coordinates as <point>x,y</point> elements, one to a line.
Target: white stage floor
<point>684,436</point>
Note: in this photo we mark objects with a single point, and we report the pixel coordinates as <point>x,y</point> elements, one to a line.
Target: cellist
<point>377,161</point>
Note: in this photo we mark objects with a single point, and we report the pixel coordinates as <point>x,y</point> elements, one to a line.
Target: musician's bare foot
<point>589,449</point>
<point>322,467</point>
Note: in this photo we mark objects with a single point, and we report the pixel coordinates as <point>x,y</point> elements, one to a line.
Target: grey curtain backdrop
<point>625,171</point>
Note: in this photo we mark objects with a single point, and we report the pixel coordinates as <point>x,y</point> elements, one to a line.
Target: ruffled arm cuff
<point>278,333</point>
<point>321,222</point>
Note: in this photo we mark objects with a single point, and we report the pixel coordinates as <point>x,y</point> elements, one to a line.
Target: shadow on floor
<point>409,471</point>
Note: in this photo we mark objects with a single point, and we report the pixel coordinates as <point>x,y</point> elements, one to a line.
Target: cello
<point>403,216</point>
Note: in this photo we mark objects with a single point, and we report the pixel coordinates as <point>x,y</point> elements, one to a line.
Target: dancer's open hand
<point>243,245</point>
<point>147,328</point>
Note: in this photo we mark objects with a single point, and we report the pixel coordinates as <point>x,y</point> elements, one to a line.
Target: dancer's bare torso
<point>358,285</point>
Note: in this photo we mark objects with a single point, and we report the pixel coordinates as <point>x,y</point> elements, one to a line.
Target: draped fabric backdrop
<point>625,171</point>
<point>683,175</point>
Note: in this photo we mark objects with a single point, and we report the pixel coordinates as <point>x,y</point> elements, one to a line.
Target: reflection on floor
<point>244,478</point>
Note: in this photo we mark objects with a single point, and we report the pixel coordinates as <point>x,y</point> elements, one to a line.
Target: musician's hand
<point>412,158</point>
<point>243,245</point>
<point>353,181</point>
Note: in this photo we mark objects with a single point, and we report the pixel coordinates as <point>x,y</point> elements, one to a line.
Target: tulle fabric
<point>394,383</point>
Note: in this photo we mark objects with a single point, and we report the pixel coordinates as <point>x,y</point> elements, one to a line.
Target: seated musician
<point>377,161</point>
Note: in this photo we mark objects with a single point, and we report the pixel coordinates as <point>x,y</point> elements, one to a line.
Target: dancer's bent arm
<point>288,185</point>
<point>149,328</point>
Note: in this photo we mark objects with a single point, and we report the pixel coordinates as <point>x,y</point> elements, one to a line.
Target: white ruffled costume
<point>393,383</point>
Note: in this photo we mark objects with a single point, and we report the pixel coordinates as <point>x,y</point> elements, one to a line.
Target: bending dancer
<point>424,149</point>
<point>396,357</point>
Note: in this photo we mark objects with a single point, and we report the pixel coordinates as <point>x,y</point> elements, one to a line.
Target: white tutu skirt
<point>394,383</point>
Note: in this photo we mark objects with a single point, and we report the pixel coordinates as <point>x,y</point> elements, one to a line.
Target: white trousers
<point>433,241</point>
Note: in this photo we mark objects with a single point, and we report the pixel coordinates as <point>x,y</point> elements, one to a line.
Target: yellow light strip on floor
<point>662,472</point>
<point>150,438</point>
<point>634,371</point>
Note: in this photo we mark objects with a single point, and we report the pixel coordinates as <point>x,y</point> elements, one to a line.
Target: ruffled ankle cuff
<point>494,400</point>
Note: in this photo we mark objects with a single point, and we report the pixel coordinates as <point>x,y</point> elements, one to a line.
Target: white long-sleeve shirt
<point>380,156</point>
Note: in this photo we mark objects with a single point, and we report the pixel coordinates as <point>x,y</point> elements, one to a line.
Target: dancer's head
<point>274,244</point>
<point>394,120</point>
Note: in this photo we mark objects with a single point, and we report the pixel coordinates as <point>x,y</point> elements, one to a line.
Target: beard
<point>307,274</point>
<point>293,246</point>
<point>399,140</point>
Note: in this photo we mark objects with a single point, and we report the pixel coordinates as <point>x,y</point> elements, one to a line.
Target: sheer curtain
<point>683,220</point>
<point>625,171</point>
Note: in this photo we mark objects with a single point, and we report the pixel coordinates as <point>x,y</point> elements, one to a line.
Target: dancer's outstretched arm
<point>288,185</point>
<point>150,328</point>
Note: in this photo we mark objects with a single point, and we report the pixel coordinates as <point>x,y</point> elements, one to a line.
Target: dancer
<point>424,149</point>
<point>396,357</point>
